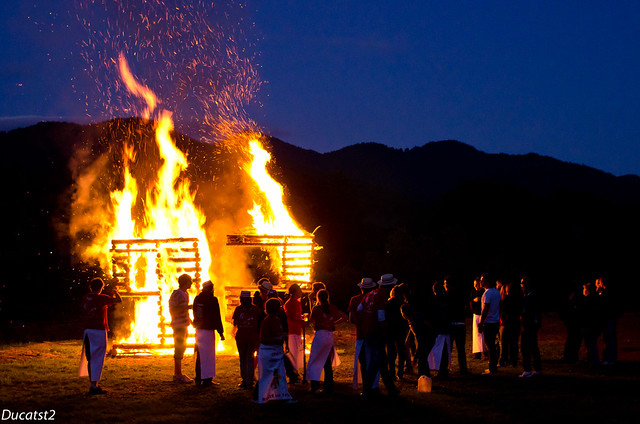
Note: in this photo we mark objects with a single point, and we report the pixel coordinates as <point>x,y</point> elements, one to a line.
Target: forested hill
<point>443,208</point>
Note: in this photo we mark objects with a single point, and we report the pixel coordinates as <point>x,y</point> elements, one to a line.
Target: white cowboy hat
<point>387,280</point>
<point>265,284</point>
<point>367,283</point>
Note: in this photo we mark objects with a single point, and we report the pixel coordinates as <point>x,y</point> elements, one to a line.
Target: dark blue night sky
<point>554,78</point>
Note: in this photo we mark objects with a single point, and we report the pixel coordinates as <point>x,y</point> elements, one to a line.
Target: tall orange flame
<point>169,213</point>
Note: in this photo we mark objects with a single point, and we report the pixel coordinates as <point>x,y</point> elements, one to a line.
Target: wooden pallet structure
<point>182,254</point>
<point>297,259</point>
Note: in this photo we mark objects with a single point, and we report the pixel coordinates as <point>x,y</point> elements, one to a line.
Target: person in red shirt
<point>371,315</point>
<point>96,326</point>
<point>366,285</point>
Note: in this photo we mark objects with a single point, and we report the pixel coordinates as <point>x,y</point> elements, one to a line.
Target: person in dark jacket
<point>569,314</point>
<point>531,323</point>
<point>440,356</point>
<point>245,320</point>
<point>478,347</point>
<point>424,334</point>
<point>610,314</point>
<point>206,320</point>
<point>459,311</point>
<point>397,334</point>
<point>511,307</point>
<point>590,317</point>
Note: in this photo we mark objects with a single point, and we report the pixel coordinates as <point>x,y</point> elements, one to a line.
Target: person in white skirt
<point>272,378</point>
<point>96,326</point>
<point>323,356</point>
<point>440,355</point>
<point>478,346</point>
<point>296,322</point>
<point>206,320</point>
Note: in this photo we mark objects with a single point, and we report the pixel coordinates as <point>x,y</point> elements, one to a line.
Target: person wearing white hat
<point>366,285</point>
<point>372,316</point>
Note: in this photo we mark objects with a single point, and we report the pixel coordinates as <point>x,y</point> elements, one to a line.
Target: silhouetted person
<point>272,380</point>
<point>366,285</point>
<point>295,323</point>
<point>245,319</point>
<point>490,321</point>
<point>372,313</point>
<point>398,330</point>
<point>180,321</point>
<point>570,315</point>
<point>478,347</point>
<point>206,320</point>
<point>96,327</point>
<point>590,317</point>
<point>440,356</point>
<point>531,323</point>
<point>424,333</point>
<point>459,311</point>
<point>324,317</point>
<point>260,295</point>
<point>291,371</point>
<point>310,301</point>
<point>610,314</point>
<point>511,310</point>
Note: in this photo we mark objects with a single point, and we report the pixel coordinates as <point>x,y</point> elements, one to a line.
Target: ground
<point>42,377</point>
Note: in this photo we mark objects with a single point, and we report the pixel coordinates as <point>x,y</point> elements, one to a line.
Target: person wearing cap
<point>180,321</point>
<point>366,285</point>
<point>206,320</point>
<point>295,321</point>
<point>372,315</point>
<point>245,321</point>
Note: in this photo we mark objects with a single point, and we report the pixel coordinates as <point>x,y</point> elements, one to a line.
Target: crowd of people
<point>395,333</point>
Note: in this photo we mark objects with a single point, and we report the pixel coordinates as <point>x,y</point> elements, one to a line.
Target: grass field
<point>42,377</point>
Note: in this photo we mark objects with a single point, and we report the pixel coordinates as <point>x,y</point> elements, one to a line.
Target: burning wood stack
<point>130,261</point>
<point>139,239</point>
<point>296,255</point>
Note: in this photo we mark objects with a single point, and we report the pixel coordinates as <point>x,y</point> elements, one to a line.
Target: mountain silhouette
<point>443,208</point>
